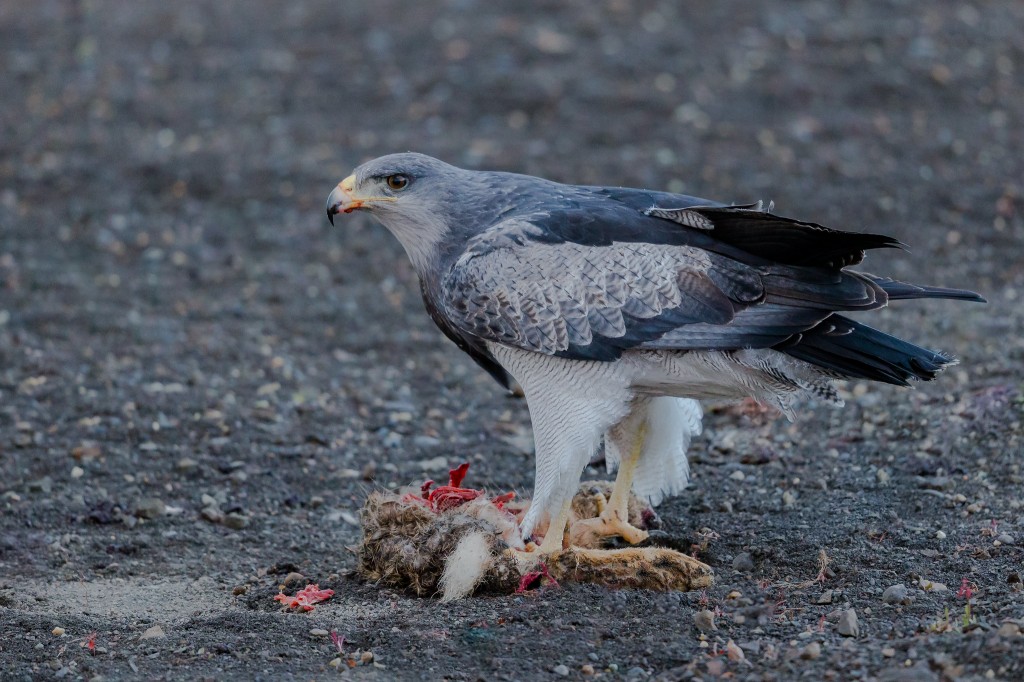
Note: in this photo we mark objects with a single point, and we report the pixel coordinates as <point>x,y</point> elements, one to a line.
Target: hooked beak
<point>341,199</point>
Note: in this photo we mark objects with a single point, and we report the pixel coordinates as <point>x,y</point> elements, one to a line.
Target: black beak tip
<point>330,215</point>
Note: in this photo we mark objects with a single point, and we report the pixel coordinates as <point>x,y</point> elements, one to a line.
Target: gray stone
<point>561,670</point>
<point>236,521</point>
<point>743,562</point>
<point>896,594</point>
<point>150,508</point>
<point>848,625</point>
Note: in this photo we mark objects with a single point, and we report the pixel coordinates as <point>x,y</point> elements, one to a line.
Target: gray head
<point>411,194</point>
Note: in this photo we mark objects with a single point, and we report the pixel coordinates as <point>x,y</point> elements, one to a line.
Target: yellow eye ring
<point>397,182</point>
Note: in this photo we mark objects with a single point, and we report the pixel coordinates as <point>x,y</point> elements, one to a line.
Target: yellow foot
<point>595,519</point>
<point>593,532</point>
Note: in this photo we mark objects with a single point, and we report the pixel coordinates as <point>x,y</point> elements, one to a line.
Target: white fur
<point>466,566</point>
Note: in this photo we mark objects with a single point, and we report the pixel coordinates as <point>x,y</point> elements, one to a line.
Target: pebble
<point>888,652</point>
<point>587,669</point>
<point>1009,629</point>
<point>824,598</point>
<point>42,485</point>
<point>77,472</point>
<point>57,631</point>
<point>788,499</point>
<point>939,535</point>
<point>293,578</point>
<point>236,521</point>
<point>150,508</point>
<point>929,586</point>
<point>743,562</point>
<point>155,632</point>
<point>848,625</point>
<point>896,594</point>
<point>212,514</point>
<point>366,658</point>
<point>434,463</point>
<point>561,670</point>
<point>737,475</point>
<point>636,672</point>
<point>811,651</point>
<point>704,620</point>
<point>335,663</point>
<point>883,477</point>
<point>187,464</point>
<point>1004,539</point>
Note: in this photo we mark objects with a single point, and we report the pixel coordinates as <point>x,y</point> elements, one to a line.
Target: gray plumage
<point>597,300</point>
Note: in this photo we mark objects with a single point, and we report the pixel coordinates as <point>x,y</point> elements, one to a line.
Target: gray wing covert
<point>515,286</point>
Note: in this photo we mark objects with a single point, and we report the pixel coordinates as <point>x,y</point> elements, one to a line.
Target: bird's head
<point>409,193</point>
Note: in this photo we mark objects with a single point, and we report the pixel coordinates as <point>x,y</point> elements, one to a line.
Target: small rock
<point>212,514</point>
<point>704,620</point>
<point>824,598</point>
<point>888,652</point>
<point>316,502</point>
<point>77,472</point>
<point>435,463</point>
<point>788,499</point>
<point>318,632</point>
<point>150,508</point>
<point>561,670</point>
<point>896,594</point>
<point>155,632</point>
<point>811,651</point>
<point>1004,539</point>
<point>1009,629</point>
<point>366,658</point>
<point>737,475</point>
<point>743,562</point>
<point>636,672</point>
<point>883,477</point>
<point>240,590</point>
<point>42,485</point>
<point>208,500</point>
<point>57,631</point>
<point>929,586</point>
<point>848,625</point>
<point>187,464</point>
<point>335,663</point>
<point>939,535</point>
<point>293,578</point>
<point>236,521</point>
<point>587,669</point>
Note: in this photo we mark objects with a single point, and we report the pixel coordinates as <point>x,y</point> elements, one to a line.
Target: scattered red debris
<point>966,590</point>
<point>338,641</point>
<point>532,576</point>
<point>89,642</point>
<point>453,495</point>
<point>305,598</point>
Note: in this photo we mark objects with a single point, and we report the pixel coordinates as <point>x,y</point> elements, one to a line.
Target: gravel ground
<point>200,381</point>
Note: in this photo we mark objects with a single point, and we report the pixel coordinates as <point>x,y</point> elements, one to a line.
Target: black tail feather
<point>853,350</point>
<point>902,290</point>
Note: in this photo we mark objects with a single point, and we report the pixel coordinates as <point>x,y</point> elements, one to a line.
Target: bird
<point>616,310</point>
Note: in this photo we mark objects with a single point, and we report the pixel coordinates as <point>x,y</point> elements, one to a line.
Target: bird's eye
<point>397,181</point>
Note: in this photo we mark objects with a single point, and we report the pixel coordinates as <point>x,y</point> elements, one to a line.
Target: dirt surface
<point>200,381</point>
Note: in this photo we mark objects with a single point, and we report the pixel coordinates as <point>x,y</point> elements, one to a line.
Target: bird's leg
<point>554,539</point>
<point>614,517</point>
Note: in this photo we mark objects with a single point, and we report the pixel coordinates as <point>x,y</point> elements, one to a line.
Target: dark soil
<point>177,320</point>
